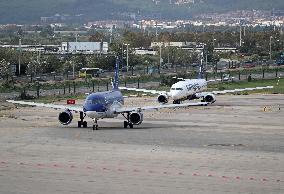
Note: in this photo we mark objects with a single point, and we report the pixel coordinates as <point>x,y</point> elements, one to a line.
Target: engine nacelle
<point>163,98</point>
<point>65,118</point>
<point>210,98</point>
<point>136,118</point>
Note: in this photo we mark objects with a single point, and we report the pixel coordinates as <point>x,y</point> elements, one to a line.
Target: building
<point>168,44</point>
<point>225,49</point>
<point>145,52</point>
<point>85,47</point>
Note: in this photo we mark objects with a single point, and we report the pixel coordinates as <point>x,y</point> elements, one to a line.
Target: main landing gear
<point>176,102</point>
<point>82,123</point>
<point>127,123</point>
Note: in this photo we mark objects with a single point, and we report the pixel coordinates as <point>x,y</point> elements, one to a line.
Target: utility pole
<point>20,55</point>
<point>127,57</point>
<point>240,34</point>
<point>110,38</point>
<point>156,31</point>
<point>160,57</point>
<point>270,47</point>
<point>73,67</point>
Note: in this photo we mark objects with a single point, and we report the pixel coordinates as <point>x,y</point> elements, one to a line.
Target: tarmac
<point>233,146</point>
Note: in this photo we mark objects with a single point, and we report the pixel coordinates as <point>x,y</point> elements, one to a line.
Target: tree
<point>97,37</point>
<point>47,31</point>
<point>31,68</point>
<point>67,66</point>
<point>5,70</point>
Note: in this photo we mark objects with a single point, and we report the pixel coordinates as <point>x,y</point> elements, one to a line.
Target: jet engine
<point>210,98</point>
<point>65,118</point>
<point>163,98</point>
<point>136,118</point>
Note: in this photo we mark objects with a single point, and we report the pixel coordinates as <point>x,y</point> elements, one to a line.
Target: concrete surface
<point>232,146</point>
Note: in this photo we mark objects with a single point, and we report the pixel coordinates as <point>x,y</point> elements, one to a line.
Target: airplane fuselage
<point>186,88</point>
<point>102,104</point>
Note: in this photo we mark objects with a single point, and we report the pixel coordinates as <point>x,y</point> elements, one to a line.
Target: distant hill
<point>20,11</point>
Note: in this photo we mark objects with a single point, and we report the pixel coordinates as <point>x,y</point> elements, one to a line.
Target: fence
<point>38,89</point>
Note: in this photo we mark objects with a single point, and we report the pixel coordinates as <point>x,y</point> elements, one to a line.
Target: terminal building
<point>85,47</point>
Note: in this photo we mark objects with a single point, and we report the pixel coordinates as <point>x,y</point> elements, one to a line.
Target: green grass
<point>56,98</point>
<point>51,99</point>
<point>278,88</point>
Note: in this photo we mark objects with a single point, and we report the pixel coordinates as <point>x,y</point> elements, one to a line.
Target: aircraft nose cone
<point>99,108</point>
<point>175,94</point>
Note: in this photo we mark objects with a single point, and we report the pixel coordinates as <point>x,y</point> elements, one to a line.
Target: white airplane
<point>102,105</point>
<point>190,89</point>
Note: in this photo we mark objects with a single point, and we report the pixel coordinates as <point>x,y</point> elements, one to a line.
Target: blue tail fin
<point>116,75</point>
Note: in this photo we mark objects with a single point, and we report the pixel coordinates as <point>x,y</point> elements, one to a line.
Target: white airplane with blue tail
<point>190,89</point>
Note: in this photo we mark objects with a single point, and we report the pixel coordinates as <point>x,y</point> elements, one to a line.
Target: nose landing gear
<point>95,126</point>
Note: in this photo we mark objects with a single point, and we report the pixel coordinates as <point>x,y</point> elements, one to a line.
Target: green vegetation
<point>278,87</point>
<point>56,98</point>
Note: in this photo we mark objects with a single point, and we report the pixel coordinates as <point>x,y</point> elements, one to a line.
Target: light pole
<point>241,35</point>
<point>73,68</point>
<point>160,58</point>
<point>270,47</point>
<point>20,54</point>
<point>127,57</point>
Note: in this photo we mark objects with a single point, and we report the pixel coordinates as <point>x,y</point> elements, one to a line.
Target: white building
<point>86,47</point>
<point>145,52</point>
<point>168,44</point>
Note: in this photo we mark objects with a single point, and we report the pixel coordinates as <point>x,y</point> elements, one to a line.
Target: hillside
<point>18,11</point>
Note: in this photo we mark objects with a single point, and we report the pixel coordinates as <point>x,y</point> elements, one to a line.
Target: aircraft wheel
<point>95,127</point>
<point>85,124</point>
<point>176,102</point>
<point>131,125</point>
<point>79,124</point>
<point>125,124</point>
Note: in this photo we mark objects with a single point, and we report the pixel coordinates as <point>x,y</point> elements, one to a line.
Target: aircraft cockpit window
<point>176,88</point>
<point>96,101</point>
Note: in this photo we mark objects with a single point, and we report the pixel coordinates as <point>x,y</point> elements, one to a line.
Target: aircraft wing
<point>145,108</point>
<point>52,106</point>
<point>241,90</point>
<point>142,90</point>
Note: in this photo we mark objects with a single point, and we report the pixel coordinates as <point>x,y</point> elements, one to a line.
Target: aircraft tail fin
<point>115,82</point>
<point>201,70</point>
